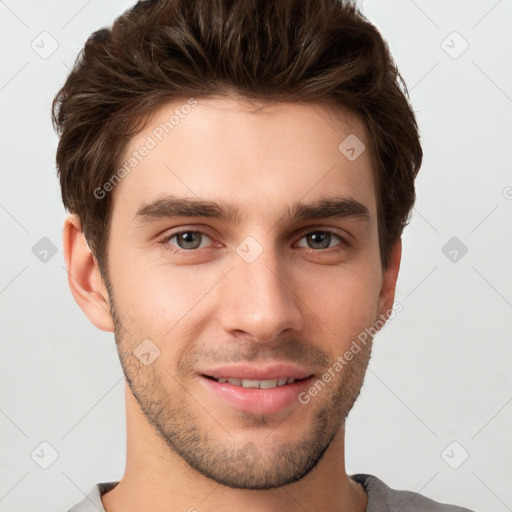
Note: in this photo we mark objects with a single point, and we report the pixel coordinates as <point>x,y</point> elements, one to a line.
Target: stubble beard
<point>244,465</point>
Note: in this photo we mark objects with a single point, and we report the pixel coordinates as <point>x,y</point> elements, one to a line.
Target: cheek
<point>345,301</point>
<point>164,301</point>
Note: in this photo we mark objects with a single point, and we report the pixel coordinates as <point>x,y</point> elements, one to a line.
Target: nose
<point>260,300</point>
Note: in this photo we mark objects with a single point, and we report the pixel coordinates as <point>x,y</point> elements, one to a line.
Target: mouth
<point>256,389</point>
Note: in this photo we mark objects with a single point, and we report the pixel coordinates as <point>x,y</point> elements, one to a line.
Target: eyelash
<point>344,244</point>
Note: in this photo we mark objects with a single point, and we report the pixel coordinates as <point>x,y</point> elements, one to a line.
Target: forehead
<point>260,157</point>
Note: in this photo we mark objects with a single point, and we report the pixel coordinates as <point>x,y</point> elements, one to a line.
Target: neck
<point>156,479</point>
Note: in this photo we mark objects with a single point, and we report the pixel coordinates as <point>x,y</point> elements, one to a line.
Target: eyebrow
<point>171,206</point>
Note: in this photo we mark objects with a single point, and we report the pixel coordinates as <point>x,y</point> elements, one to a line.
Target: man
<point>239,175</point>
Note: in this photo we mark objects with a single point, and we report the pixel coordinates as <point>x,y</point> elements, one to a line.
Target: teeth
<point>261,384</point>
<point>246,383</point>
<point>268,384</point>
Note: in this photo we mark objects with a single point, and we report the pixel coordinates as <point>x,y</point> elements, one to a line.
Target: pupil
<point>321,237</point>
<point>188,239</point>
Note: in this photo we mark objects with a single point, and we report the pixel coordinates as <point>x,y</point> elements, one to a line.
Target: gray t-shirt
<point>381,498</point>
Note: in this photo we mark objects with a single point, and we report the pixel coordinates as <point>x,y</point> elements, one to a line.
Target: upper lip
<point>252,372</point>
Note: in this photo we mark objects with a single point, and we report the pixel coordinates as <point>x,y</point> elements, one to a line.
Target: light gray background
<point>440,372</point>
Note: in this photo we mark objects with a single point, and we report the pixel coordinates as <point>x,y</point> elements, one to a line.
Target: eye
<point>187,240</point>
<point>322,239</point>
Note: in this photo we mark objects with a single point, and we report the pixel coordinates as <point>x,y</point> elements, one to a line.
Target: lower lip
<point>255,400</point>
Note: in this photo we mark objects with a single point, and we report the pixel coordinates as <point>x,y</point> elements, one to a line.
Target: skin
<point>298,302</point>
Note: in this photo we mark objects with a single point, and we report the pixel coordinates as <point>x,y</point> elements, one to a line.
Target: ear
<point>389,278</point>
<point>84,276</point>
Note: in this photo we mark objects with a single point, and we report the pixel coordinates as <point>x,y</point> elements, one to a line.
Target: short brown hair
<point>264,50</point>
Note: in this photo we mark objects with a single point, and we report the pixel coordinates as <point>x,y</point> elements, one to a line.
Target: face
<point>243,263</point>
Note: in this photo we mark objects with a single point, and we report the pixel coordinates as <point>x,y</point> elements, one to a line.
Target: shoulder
<point>382,498</point>
<point>92,502</point>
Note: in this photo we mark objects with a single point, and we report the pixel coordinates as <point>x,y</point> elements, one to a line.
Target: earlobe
<point>389,278</point>
<point>84,276</point>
